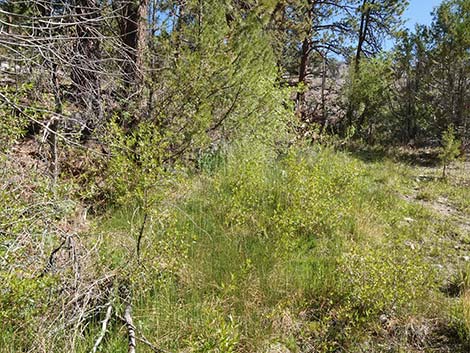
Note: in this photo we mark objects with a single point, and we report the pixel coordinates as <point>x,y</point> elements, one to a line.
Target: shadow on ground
<point>419,157</point>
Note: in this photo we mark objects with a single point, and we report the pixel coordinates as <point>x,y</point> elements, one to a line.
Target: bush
<point>450,149</point>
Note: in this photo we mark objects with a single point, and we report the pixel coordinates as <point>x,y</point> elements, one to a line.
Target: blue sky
<point>419,11</point>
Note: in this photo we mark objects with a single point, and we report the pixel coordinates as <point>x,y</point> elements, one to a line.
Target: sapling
<point>450,149</point>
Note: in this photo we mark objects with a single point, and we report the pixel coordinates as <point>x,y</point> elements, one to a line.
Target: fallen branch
<point>148,343</point>
<point>141,338</point>
<point>103,328</point>
<point>141,233</point>
<point>130,328</point>
<point>50,262</point>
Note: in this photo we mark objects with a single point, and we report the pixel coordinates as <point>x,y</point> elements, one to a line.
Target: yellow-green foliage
<point>223,87</point>
<point>368,91</point>
<point>13,121</point>
<point>263,238</point>
<point>135,169</point>
<point>319,189</point>
<point>29,216</point>
<point>461,312</point>
<point>466,314</point>
<point>450,148</point>
<point>305,249</point>
<point>390,280</point>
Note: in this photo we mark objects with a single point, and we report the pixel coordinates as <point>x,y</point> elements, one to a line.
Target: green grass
<point>314,250</point>
<point>310,249</point>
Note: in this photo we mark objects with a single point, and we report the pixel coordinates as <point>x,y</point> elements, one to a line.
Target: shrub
<point>450,149</point>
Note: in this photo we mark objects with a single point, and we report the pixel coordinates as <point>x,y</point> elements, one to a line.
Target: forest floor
<point>318,250</point>
<point>447,199</point>
<point>259,277</point>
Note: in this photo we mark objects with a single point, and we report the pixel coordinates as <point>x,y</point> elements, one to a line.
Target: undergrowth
<point>310,251</point>
<point>305,251</point>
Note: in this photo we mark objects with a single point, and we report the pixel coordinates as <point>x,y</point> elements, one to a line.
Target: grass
<point>316,250</point>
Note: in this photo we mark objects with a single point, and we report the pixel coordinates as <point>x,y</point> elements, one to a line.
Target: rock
<point>277,348</point>
<point>410,245</point>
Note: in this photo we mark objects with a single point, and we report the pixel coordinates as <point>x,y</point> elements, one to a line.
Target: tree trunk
<point>142,30</point>
<point>363,29</point>
<point>323,95</point>
<point>133,28</point>
<point>86,68</point>
<point>302,75</point>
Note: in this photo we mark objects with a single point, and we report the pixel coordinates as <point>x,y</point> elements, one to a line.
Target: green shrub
<point>391,280</point>
<point>13,123</point>
<point>450,149</point>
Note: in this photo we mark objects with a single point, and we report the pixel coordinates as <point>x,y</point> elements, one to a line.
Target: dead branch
<point>141,233</point>
<point>130,328</point>
<point>103,328</point>
<point>50,262</point>
<point>144,340</point>
<point>141,338</point>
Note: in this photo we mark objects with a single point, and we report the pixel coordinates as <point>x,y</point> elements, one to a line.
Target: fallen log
<point>130,328</point>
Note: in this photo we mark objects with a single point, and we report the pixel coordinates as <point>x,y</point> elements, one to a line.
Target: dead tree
<point>85,73</point>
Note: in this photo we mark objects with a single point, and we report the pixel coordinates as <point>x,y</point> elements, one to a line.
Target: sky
<point>419,11</point>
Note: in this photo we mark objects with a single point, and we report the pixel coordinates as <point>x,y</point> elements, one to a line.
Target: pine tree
<point>450,149</point>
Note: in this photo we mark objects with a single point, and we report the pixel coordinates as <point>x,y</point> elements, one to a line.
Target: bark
<point>53,128</point>
<point>142,30</point>
<point>133,28</point>
<point>85,72</point>
<point>130,328</point>
<point>363,29</point>
<point>362,35</point>
<point>323,95</point>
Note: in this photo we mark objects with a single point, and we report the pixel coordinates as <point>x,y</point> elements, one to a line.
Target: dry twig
<point>103,328</point>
